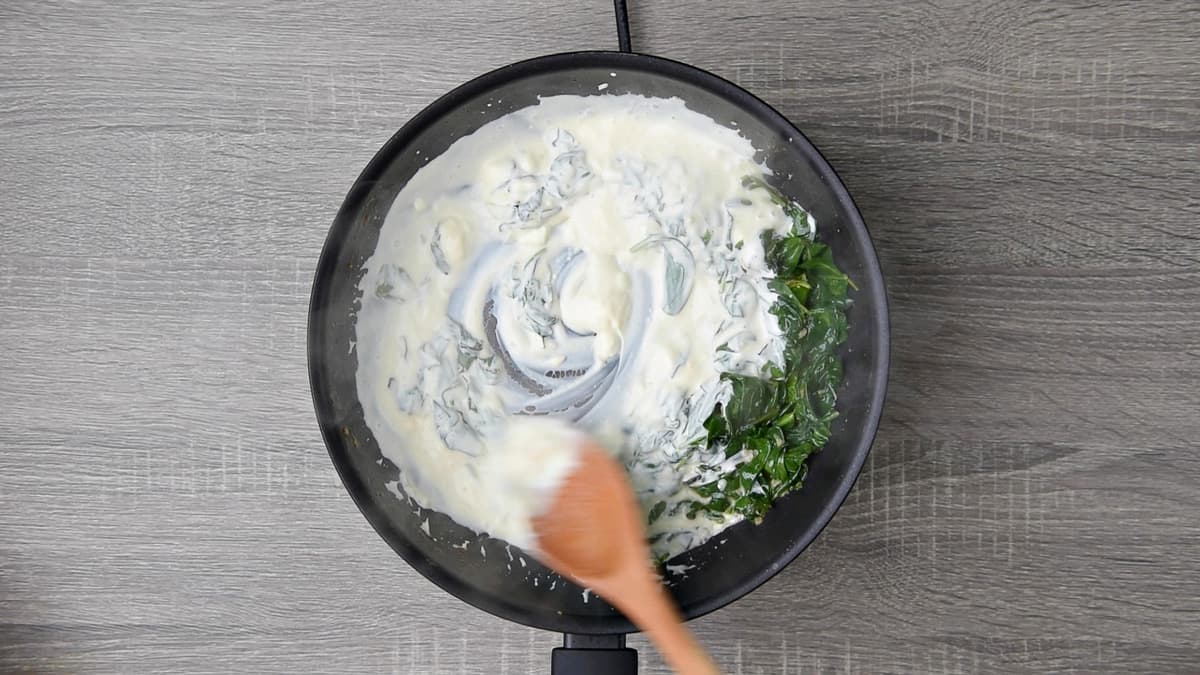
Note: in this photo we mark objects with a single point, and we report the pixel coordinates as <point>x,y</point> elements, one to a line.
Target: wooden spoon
<point>594,533</point>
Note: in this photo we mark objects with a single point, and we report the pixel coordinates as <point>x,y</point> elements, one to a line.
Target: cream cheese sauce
<point>597,260</point>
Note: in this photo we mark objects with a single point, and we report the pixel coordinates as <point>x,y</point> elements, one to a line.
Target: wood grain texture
<point>1027,168</point>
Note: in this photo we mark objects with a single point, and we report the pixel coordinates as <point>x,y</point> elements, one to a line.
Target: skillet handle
<point>593,655</point>
<point>622,12</point>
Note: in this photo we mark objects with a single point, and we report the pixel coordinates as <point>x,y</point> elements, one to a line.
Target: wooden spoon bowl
<point>594,533</point>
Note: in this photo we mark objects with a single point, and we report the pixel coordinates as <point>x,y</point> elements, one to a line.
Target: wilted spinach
<point>784,417</point>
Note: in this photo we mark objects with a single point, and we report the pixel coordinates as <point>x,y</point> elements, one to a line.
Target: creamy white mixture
<point>593,259</point>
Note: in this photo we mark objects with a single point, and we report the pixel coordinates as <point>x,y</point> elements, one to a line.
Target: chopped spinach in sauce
<point>771,425</point>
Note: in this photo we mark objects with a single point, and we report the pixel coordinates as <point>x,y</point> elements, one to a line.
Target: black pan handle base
<point>593,655</point>
<point>622,12</point>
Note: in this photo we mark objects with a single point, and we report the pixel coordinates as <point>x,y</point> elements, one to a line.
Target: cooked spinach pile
<point>786,416</point>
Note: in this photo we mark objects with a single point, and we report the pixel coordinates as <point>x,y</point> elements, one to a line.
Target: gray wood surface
<point>1029,170</point>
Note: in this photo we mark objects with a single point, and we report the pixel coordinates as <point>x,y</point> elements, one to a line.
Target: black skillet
<point>486,572</point>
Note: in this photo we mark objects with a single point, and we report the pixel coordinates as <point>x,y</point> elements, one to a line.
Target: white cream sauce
<point>592,259</point>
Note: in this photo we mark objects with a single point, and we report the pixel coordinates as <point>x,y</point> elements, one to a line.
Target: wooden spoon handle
<point>655,613</point>
<point>594,533</point>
